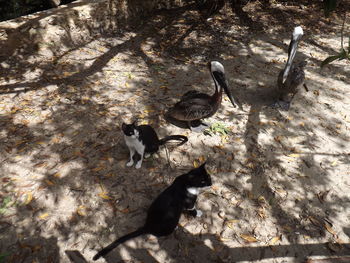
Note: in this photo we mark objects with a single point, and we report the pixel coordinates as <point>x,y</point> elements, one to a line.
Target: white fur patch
<point>199,213</point>
<point>193,190</point>
<point>134,144</point>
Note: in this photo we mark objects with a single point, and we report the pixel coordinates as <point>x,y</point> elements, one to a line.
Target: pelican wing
<point>191,109</point>
<point>193,94</point>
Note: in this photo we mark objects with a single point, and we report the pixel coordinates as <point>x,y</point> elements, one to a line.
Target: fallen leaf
<point>202,159</point>
<point>231,222</point>
<point>261,213</point>
<point>274,240</point>
<point>49,182</point>
<point>55,140</point>
<point>104,196</point>
<point>294,155</point>
<point>29,198</point>
<point>43,216</point>
<point>81,210</point>
<point>329,229</point>
<point>322,196</point>
<point>195,164</point>
<point>223,239</point>
<point>97,169</point>
<point>42,164</point>
<point>248,238</point>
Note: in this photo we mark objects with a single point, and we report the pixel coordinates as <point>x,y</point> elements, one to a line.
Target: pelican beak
<point>229,94</point>
<point>218,73</point>
<point>292,50</point>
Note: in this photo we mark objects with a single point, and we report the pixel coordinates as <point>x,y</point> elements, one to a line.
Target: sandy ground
<point>281,179</point>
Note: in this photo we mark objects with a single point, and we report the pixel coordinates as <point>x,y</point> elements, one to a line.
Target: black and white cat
<point>144,141</point>
<point>164,213</point>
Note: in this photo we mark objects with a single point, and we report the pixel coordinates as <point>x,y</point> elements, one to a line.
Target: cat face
<point>199,177</point>
<point>130,130</point>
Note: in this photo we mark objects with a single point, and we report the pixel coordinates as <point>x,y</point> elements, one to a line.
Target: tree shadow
<point>69,144</point>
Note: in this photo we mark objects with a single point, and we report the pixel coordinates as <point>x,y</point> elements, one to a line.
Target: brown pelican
<point>194,105</point>
<point>292,77</point>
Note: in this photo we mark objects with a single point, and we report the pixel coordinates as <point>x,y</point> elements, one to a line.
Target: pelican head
<point>218,74</point>
<point>293,45</point>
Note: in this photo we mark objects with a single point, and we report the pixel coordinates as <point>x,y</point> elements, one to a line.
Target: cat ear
<point>134,123</point>
<point>123,126</point>
<point>203,165</point>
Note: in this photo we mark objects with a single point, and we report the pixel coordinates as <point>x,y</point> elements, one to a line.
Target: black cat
<point>144,141</point>
<point>165,211</point>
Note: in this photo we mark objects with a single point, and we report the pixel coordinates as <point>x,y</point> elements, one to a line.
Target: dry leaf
<point>223,239</point>
<point>55,140</point>
<point>97,169</point>
<point>29,198</point>
<point>49,182</point>
<point>104,196</point>
<point>329,229</point>
<point>81,210</point>
<point>294,155</point>
<point>274,240</point>
<point>261,213</point>
<point>322,196</point>
<point>202,159</point>
<point>195,164</point>
<point>43,216</point>
<point>248,238</point>
<point>230,223</point>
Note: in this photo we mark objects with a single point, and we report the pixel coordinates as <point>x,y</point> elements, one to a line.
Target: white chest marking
<point>193,190</point>
<point>134,143</point>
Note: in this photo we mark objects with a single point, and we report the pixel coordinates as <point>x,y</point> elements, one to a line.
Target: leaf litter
<point>261,200</point>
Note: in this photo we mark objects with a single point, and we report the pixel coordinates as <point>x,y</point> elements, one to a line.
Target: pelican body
<point>292,77</point>
<point>194,105</point>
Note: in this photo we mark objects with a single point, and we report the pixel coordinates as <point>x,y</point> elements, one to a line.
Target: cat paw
<point>130,163</point>
<point>138,165</point>
<point>199,213</point>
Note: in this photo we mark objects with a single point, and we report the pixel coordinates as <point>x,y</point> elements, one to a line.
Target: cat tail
<point>113,245</point>
<point>181,138</point>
